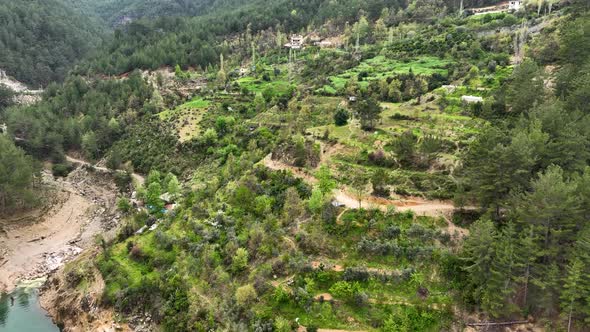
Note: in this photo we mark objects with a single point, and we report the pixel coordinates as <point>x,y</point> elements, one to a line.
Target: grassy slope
<point>333,244</point>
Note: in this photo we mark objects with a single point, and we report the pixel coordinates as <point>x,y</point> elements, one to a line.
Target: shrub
<point>136,253</point>
<point>246,295</point>
<point>345,290</point>
<point>280,295</point>
<point>282,325</point>
<point>361,299</point>
<point>240,260</point>
<point>392,232</point>
<point>124,205</point>
<point>61,170</point>
<point>399,116</point>
<point>341,117</point>
<point>356,274</point>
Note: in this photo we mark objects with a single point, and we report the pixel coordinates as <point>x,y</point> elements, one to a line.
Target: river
<point>20,310</point>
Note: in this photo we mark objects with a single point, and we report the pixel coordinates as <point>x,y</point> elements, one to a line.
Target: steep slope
<point>116,12</point>
<point>197,41</point>
<point>222,241</point>
<point>41,40</point>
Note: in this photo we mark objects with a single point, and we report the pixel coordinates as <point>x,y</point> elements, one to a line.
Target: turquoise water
<point>25,314</point>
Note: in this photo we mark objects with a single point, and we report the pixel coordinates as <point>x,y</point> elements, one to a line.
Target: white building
<point>296,42</point>
<point>514,5</point>
<point>471,99</point>
<point>3,129</point>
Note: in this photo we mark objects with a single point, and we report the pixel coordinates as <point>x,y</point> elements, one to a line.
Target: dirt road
<point>343,196</point>
<point>346,198</point>
<point>140,179</point>
<point>81,207</point>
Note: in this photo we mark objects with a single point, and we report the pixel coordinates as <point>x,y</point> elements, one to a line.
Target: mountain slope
<point>41,40</point>
<point>116,12</point>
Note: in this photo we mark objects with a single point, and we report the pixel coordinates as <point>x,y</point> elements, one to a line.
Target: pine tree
<point>500,286</point>
<point>582,253</point>
<point>526,88</point>
<point>153,201</point>
<point>553,208</point>
<point>528,252</point>
<point>173,187</point>
<point>572,290</point>
<point>478,252</point>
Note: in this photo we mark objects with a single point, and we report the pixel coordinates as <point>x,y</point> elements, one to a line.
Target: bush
<point>240,260</point>
<point>124,205</point>
<point>341,117</point>
<point>61,170</point>
<point>378,158</point>
<point>246,295</point>
<point>345,290</point>
<point>136,253</point>
<point>356,274</point>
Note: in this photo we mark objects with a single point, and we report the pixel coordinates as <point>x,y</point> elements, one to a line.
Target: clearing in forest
<point>187,117</point>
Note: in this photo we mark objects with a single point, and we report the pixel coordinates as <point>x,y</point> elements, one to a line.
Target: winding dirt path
<point>344,197</point>
<point>431,208</point>
<point>140,179</point>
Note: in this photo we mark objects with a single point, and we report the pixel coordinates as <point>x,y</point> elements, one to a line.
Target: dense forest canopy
<point>195,42</point>
<point>117,12</point>
<point>17,177</point>
<point>40,40</point>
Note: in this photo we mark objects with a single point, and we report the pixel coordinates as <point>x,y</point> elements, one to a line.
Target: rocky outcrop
<point>72,296</point>
<point>24,95</point>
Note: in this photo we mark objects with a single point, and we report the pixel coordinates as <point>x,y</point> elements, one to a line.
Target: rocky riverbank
<point>78,208</point>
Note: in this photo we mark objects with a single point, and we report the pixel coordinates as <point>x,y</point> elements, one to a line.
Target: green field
<point>381,67</point>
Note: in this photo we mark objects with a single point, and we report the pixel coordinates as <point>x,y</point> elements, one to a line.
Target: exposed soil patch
<point>82,206</point>
<point>324,297</point>
<point>79,310</point>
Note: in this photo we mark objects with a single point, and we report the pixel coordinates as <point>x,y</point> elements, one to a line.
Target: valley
<point>283,166</point>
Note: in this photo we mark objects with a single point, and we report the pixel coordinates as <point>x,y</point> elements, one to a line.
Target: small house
<point>338,204</point>
<point>471,99</point>
<point>514,5</point>
<point>296,42</point>
<point>352,99</point>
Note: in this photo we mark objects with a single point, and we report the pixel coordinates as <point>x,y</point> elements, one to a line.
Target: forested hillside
<point>17,178</point>
<point>198,41</point>
<point>117,12</point>
<point>40,40</point>
<point>530,169</point>
<point>409,168</point>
